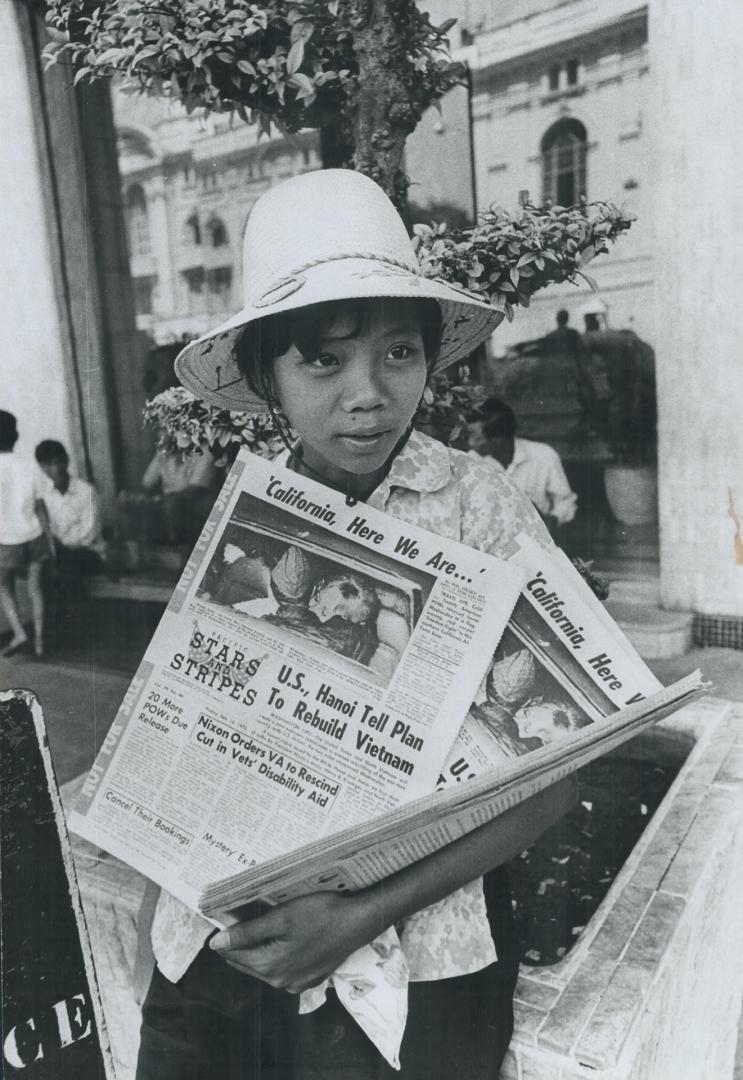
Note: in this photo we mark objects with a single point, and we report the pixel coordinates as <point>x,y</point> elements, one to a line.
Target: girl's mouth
<point>360,440</point>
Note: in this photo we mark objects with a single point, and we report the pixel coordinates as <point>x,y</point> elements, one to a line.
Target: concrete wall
<point>652,988</point>
<point>698,164</point>
<point>32,337</point>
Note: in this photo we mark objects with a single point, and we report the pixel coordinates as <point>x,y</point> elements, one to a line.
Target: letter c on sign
<point>23,1045</point>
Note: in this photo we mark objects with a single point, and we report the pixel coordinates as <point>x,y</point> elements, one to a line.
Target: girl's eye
<point>401,351</point>
<point>323,362</point>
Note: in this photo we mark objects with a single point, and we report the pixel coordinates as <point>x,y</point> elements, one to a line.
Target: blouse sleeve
<point>494,510</point>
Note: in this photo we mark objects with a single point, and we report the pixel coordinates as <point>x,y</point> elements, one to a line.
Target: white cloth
<point>537,470</point>
<point>463,498</point>
<point>74,517</point>
<point>173,473</point>
<point>21,486</point>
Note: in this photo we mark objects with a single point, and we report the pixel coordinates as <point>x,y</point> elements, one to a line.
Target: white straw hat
<point>326,235</point>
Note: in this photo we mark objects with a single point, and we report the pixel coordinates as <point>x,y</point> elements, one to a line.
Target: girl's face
<point>353,402</point>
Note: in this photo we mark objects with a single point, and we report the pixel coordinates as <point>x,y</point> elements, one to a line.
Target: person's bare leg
<point>36,595</point>
<point>10,608</point>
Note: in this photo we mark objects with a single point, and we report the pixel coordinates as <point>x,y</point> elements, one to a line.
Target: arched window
<point>564,163</point>
<point>192,229</point>
<point>138,229</point>
<point>216,231</point>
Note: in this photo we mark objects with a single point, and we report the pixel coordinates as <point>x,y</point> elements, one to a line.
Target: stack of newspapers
<point>333,694</point>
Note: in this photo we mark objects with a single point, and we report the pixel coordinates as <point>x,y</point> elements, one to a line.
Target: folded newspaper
<point>324,681</point>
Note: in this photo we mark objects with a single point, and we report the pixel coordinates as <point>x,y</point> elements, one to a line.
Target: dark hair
<point>562,317</point>
<point>264,341</point>
<point>50,450</point>
<point>8,431</point>
<point>498,419</point>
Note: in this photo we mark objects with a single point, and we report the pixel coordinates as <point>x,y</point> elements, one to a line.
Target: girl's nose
<point>363,385</point>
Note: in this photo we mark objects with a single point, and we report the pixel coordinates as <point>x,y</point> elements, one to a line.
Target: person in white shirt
<point>186,487</point>
<point>25,540</point>
<point>72,503</point>
<point>74,517</point>
<point>533,466</point>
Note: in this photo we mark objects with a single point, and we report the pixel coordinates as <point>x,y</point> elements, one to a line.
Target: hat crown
<point>315,218</point>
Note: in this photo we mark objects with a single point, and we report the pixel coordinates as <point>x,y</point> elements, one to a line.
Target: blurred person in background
<point>177,495</point>
<point>25,538</point>
<point>533,466</point>
<point>186,488</point>
<point>563,337</point>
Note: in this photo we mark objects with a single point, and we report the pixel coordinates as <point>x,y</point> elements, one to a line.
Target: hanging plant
<point>510,255</point>
<point>185,425</point>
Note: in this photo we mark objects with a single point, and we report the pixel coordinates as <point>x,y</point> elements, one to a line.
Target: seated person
<point>533,466</point>
<point>175,502</point>
<point>186,488</point>
<point>74,515</point>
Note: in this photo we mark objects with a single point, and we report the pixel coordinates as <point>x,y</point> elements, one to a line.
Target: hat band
<point>294,280</point>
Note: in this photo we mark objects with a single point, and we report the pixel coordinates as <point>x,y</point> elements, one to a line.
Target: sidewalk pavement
<point>79,704</point>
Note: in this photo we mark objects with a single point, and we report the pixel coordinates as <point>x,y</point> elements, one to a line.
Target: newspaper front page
<point>562,687</point>
<point>311,672</point>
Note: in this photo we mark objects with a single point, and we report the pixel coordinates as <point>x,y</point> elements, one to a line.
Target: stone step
<point>153,585</point>
<point>657,634</point>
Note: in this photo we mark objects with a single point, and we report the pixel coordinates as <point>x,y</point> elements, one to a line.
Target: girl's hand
<point>298,944</point>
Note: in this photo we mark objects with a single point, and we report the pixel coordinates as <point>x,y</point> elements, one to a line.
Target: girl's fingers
<point>245,934</point>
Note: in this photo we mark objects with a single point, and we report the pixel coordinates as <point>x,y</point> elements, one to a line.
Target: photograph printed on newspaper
<point>311,672</point>
<point>560,665</point>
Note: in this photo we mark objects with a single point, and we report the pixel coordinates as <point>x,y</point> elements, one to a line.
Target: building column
<point>157,206</point>
<point>695,60</point>
<point>54,339</point>
<point>35,335</point>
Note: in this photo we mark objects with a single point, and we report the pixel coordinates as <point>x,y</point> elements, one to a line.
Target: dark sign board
<point>51,1018</point>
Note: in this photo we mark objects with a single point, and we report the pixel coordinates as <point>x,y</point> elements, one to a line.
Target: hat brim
<point>207,366</point>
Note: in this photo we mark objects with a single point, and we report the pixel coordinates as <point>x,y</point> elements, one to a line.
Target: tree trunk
<point>382,117</point>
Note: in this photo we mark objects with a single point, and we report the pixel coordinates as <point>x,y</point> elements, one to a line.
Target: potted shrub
<point>623,412</point>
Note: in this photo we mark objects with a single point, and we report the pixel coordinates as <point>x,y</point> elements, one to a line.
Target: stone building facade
<point>559,96</point>
<point>188,184</point>
<point>559,108</point>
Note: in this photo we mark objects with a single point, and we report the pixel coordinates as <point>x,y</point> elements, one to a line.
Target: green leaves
<point>185,425</point>
<point>305,87</point>
<point>449,403</point>
<point>295,57</point>
<point>507,257</point>
<point>275,62</point>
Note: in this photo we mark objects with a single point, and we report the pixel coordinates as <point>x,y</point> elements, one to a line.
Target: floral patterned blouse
<point>460,497</point>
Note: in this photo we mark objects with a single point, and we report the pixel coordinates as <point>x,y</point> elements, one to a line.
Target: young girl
<point>337,338</point>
